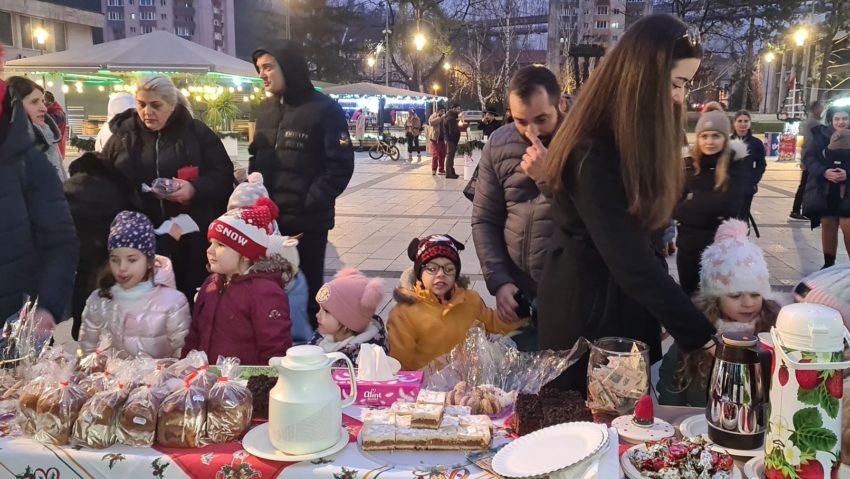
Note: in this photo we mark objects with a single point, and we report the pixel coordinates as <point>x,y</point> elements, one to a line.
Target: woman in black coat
<point>614,182</point>
<point>756,159</point>
<point>160,139</point>
<point>96,192</point>
<point>717,185</point>
<point>823,201</point>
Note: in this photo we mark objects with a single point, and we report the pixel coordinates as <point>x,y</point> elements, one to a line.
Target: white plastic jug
<point>305,409</point>
<point>804,430</point>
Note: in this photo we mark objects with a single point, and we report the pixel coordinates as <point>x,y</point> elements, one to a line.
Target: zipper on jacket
<point>525,237</point>
<point>156,160</point>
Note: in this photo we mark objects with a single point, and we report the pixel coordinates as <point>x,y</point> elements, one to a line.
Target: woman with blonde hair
<point>717,183</point>
<point>161,139</point>
<point>615,181</point>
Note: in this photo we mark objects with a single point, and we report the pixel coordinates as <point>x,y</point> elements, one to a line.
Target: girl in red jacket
<point>242,309</point>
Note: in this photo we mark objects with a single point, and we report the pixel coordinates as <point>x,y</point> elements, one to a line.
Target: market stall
<point>82,79</point>
<point>386,108</point>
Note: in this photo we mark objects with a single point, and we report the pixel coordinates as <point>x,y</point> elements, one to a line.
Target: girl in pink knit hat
<point>347,314</point>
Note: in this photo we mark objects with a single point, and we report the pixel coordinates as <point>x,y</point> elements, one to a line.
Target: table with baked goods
<point>25,458</point>
<point>22,457</point>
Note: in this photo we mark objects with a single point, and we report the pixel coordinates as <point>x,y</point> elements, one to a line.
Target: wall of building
<point>193,20</point>
<point>73,25</point>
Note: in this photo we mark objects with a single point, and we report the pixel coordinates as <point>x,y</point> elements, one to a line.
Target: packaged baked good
<point>95,425</point>
<point>58,406</point>
<point>182,416</point>
<point>195,361</point>
<point>95,362</point>
<point>101,381</point>
<point>36,380</point>
<point>137,420</point>
<point>229,405</point>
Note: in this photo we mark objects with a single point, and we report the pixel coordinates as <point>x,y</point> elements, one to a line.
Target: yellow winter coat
<point>422,328</point>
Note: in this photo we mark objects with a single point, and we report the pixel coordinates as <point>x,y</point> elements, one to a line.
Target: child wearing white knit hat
<point>734,285</point>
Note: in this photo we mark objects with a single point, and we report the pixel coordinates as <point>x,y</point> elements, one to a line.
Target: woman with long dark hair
<point>615,180</point>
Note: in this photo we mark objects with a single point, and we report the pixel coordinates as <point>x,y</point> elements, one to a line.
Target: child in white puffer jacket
<point>136,302</point>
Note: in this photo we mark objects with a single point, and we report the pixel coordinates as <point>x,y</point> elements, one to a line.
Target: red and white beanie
<point>246,230</point>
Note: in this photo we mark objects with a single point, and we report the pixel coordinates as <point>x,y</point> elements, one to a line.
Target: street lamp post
<point>436,88</point>
<point>768,83</point>
<point>800,37</point>
<point>371,62</point>
<point>447,67</point>
<point>40,38</point>
<point>419,42</point>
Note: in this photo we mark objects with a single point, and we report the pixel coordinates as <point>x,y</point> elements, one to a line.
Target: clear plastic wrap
<point>182,416</point>
<point>101,381</point>
<point>195,361</point>
<point>137,419</point>
<point>490,367</point>
<point>58,406</point>
<point>95,362</point>
<point>95,425</point>
<point>21,342</point>
<point>230,404</point>
<point>36,381</point>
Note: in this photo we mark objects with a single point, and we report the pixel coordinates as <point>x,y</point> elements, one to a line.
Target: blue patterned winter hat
<point>130,229</point>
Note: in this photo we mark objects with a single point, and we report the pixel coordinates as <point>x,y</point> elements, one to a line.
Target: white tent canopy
<point>373,89</point>
<point>155,51</point>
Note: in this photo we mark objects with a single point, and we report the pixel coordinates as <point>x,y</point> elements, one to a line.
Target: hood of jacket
<point>20,136</point>
<point>119,103</point>
<point>275,264</point>
<point>296,73</point>
<point>164,272</point>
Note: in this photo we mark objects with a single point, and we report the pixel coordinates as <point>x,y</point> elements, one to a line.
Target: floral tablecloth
<point>22,458</point>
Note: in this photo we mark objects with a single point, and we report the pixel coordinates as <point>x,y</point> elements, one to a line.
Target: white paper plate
<point>550,449</point>
<point>258,443</point>
<point>754,469</point>
<point>632,472</point>
<point>630,432</point>
<point>697,425</point>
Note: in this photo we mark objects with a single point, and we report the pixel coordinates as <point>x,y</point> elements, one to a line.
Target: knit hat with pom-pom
<point>732,264</point>
<point>247,193</point>
<point>351,298</point>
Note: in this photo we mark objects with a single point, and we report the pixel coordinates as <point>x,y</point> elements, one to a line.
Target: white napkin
<point>183,221</point>
<point>605,465</point>
<point>374,365</point>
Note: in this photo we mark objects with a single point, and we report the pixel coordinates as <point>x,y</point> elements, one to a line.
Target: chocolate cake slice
<point>548,408</point>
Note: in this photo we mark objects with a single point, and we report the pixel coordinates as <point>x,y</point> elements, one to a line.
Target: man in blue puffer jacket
<point>38,243</point>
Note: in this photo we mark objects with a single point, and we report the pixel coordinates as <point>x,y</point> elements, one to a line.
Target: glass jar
<point>617,375</point>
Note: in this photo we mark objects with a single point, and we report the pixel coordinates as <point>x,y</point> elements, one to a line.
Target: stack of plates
<point>557,448</point>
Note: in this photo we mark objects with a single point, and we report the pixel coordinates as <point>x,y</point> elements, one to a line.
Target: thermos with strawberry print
<point>804,431</point>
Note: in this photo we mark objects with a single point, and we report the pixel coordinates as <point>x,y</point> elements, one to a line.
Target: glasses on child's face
<point>433,268</point>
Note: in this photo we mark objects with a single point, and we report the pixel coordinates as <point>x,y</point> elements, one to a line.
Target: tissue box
<point>381,393</point>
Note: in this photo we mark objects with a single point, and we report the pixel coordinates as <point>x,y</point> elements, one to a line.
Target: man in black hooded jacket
<point>303,149</point>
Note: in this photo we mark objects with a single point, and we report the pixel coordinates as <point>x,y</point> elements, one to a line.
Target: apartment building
<point>582,24</point>
<point>32,27</point>
<point>210,23</point>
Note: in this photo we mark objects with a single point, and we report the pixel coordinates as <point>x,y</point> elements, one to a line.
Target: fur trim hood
<point>739,149</point>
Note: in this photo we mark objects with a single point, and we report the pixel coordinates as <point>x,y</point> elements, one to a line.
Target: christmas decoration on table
<point>643,426</point>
